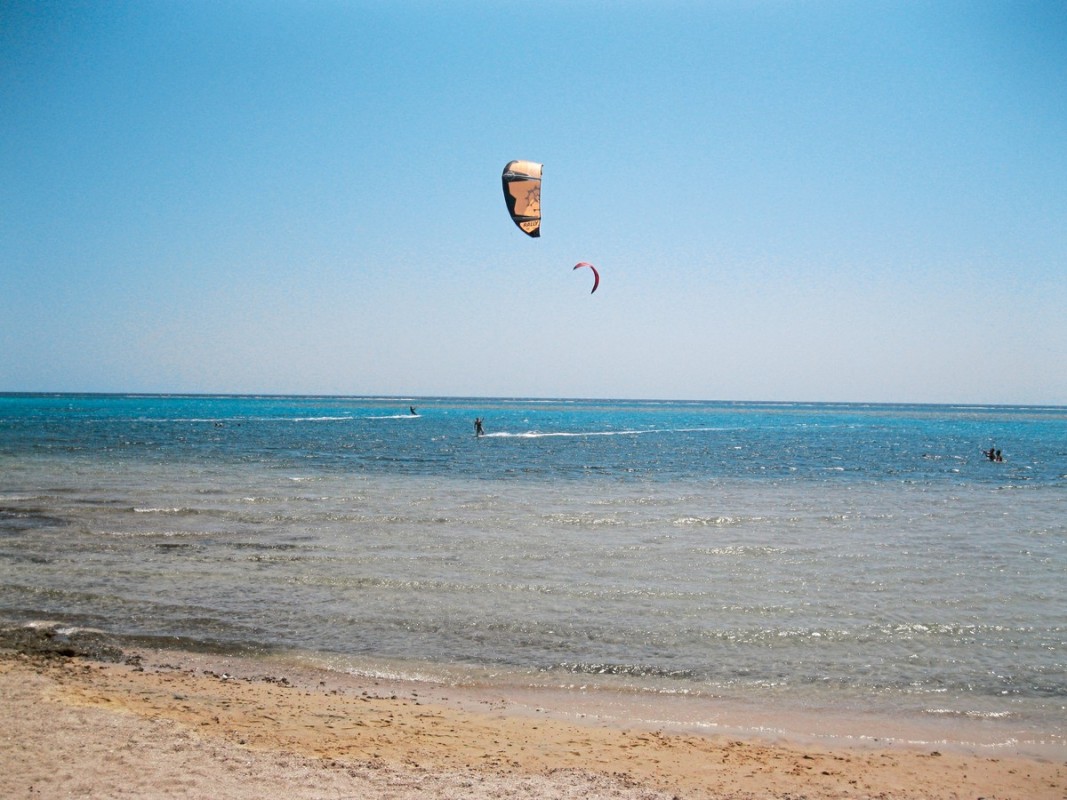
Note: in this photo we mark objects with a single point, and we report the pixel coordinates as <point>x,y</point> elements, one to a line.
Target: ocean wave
<point>715,522</point>
<point>545,435</point>
<point>740,550</point>
<point>535,434</point>
<point>152,534</point>
<point>174,511</point>
<point>625,670</point>
<point>968,713</point>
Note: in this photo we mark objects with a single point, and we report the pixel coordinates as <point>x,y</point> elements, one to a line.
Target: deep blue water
<point>560,439</point>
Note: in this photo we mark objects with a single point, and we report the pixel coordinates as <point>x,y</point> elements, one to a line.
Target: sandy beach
<point>99,722</point>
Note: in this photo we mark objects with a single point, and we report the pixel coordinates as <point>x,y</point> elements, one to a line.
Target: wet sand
<point>157,723</point>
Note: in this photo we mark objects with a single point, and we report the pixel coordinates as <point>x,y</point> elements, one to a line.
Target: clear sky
<point>839,201</point>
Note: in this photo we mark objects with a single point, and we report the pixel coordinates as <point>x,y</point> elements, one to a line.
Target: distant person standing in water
<point>478,426</point>
<point>993,454</point>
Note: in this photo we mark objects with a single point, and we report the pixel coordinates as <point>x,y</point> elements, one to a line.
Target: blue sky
<point>840,201</point>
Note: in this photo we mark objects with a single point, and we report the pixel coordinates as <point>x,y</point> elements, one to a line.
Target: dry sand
<point>169,724</point>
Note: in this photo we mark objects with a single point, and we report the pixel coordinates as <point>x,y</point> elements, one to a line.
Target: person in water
<point>411,409</point>
<point>993,455</point>
<point>478,426</point>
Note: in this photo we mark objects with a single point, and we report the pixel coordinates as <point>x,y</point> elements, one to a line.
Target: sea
<point>847,572</point>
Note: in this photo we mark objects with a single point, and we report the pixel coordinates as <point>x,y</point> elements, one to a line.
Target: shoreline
<point>772,718</point>
<point>139,722</point>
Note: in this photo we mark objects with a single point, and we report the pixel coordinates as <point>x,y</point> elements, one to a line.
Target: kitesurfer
<point>412,410</point>
<point>478,426</point>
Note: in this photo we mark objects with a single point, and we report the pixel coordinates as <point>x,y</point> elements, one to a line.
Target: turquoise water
<point>835,559</point>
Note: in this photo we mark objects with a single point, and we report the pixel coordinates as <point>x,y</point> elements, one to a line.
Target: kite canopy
<point>596,275</point>
<point>522,192</point>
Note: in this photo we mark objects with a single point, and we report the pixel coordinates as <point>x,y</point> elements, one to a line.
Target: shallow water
<point>842,560</point>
